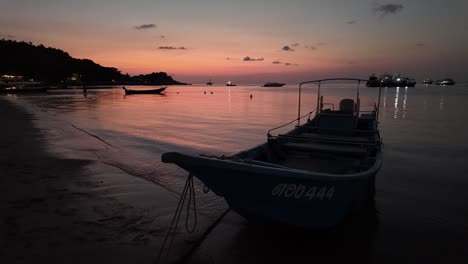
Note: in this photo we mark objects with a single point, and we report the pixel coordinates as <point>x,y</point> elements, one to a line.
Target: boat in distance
<point>428,81</point>
<point>151,91</point>
<point>230,84</point>
<point>14,90</point>
<point>22,87</point>
<point>316,176</point>
<point>273,84</point>
<point>446,81</point>
<point>389,80</point>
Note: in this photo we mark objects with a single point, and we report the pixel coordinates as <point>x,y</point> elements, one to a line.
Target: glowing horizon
<point>263,39</point>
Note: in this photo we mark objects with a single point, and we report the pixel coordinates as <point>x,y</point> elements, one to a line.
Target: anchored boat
<point>389,80</point>
<point>446,81</point>
<point>273,84</point>
<point>314,176</point>
<point>22,87</point>
<point>152,91</point>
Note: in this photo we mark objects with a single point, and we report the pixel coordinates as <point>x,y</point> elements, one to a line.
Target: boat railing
<point>320,99</point>
<point>308,115</point>
<point>332,105</point>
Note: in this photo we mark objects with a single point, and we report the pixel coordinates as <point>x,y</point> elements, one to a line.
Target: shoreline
<point>80,210</point>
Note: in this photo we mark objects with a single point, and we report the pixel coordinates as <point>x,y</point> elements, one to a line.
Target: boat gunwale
<point>232,164</point>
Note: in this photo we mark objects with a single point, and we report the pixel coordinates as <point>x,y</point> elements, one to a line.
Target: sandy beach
<point>62,210</point>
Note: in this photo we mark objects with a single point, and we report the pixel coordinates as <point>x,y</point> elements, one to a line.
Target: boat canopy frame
<point>320,100</point>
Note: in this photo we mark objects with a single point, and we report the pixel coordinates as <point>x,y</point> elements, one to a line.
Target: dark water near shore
<point>421,190</point>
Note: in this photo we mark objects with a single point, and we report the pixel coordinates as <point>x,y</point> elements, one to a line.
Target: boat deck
<point>328,153</point>
<point>321,163</point>
<point>340,149</point>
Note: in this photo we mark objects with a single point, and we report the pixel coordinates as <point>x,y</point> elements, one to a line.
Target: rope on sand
<point>189,190</point>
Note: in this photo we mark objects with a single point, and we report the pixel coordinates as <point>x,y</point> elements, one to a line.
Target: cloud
<point>162,36</point>
<point>276,62</point>
<point>295,44</point>
<point>351,22</point>
<point>291,64</point>
<point>420,44</point>
<point>387,9</point>
<point>145,26</point>
<point>311,47</point>
<point>287,48</point>
<point>8,36</point>
<point>171,48</point>
<point>314,47</point>
<point>228,58</point>
<point>250,59</point>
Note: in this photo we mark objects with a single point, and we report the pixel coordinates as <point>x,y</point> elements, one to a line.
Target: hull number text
<point>298,191</point>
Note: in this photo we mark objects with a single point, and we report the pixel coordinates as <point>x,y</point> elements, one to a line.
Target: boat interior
<point>336,141</point>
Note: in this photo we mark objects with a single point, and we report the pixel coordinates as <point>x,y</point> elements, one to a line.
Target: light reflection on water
<point>423,128</point>
<point>225,120</point>
<point>420,191</point>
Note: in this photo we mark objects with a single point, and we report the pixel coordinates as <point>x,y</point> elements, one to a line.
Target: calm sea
<point>422,189</point>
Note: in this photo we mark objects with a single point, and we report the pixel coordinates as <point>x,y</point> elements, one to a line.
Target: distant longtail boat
<point>152,91</point>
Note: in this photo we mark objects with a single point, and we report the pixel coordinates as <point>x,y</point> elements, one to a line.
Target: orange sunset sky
<point>251,41</point>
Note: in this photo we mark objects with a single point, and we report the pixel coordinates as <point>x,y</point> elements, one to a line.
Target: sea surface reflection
<point>421,190</point>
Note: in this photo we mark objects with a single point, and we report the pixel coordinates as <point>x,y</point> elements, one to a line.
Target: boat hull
<point>277,194</point>
<point>154,91</point>
<point>24,90</point>
<point>274,85</point>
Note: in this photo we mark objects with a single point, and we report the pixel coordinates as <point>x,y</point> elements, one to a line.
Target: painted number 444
<point>298,191</point>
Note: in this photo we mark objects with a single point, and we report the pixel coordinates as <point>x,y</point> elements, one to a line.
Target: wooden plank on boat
<point>335,137</point>
<point>325,148</point>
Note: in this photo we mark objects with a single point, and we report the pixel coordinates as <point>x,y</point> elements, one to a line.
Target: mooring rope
<point>189,189</point>
<point>186,257</point>
<point>191,200</point>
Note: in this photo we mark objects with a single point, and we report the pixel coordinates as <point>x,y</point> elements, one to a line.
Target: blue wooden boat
<point>315,176</point>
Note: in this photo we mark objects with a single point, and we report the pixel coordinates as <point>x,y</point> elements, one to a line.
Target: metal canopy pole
<point>318,97</point>
<point>299,107</point>
<point>378,103</point>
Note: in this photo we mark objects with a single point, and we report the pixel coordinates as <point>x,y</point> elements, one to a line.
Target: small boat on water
<point>428,81</point>
<point>22,87</point>
<point>152,91</point>
<point>209,83</point>
<point>230,84</point>
<point>315,176</point>
<point>273,84</point>
<point>389,80</point>
<point>446,81</point>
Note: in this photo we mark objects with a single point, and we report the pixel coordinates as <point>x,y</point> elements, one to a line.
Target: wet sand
<point>62,210</point>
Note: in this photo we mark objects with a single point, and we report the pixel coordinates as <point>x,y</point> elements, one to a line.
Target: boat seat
<point>336,121</point>
<point>317,147</point>
<point>327,137</point>
<point>347,106</point>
